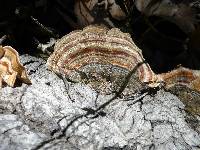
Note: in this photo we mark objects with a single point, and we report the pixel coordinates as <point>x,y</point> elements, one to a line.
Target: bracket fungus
<point>182,76</point>
<point>10,67</point>
<point>96,47</point>
<point>101,50</point>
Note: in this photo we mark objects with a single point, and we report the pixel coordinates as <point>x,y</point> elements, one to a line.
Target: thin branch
<point>68,19</point>
<point>121,89</point>
<point>43,27</point>
<point>3,38</point>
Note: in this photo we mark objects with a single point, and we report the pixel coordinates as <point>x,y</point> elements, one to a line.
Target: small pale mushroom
<point>10,67</point>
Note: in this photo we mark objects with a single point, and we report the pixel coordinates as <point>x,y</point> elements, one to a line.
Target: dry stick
<point>68,19</point>
<point>85,6</point>
<point>151,27</point>
<point>61,8</point>
<point>43,27</point>
<point>3,38</point>
<point>121,89</point>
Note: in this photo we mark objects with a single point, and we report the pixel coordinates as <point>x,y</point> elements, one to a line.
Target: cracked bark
<point>49,114</point>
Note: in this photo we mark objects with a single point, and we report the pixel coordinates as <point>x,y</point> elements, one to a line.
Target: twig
<point>135,100</point>
<point>43,27</point>
<point>68,19</point>
<point>151,27</point>
<point>3,38</point>
<point>121,89</point>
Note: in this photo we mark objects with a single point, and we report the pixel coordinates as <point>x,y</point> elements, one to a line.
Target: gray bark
<point>56,114</point>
